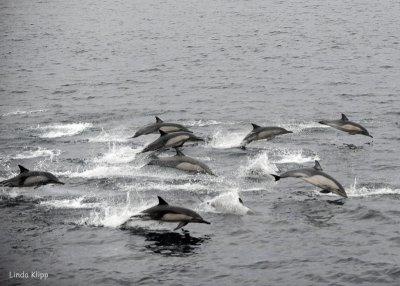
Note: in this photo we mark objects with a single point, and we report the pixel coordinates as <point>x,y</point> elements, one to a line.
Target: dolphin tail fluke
<point>181,224</point>
<point>277,178</point>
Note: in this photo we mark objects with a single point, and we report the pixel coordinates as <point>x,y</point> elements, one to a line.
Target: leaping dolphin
<point>160,125</point>
<point>316,177</point>
<point>182,162</point>
<point>260,133</point>
<point>165,212</point>
<point>344,124</point>
<point>28,178</point>
<point>169,140</point>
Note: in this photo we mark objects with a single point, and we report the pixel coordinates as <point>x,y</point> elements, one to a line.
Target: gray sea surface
<point>78,78</point>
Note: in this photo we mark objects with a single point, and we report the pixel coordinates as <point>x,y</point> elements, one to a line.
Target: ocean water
<point>78,78</point>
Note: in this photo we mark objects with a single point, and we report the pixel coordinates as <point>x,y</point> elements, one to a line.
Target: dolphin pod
<point>28,178</point>
<point>260,133</point>
<point>344,124</point>
<point>173,135</point>
<point>316,177</point>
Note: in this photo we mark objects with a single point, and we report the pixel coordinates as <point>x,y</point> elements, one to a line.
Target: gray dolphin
<point>260,133</point>
<point>182,162</point>
<point>344,124</point>
<point>316,177</point>
<point>28,178</point>
<point>169,140</point>
<point>160,125</point>
<point>164,212</point>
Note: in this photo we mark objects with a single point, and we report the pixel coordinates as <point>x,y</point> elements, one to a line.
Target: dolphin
<point>28,178</point>
<point>316,177</point>
<point>165,212</point>
<point>182,162</point>
<point>260,133</point>
<point>160,125</point>
<point>168,140</point>
<point>344,124</point>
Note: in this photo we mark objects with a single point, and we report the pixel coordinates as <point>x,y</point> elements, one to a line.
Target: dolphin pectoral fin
<point>181,224</point>
<point>325,191</point>
<point>38,186</point>
<point>277,178</point>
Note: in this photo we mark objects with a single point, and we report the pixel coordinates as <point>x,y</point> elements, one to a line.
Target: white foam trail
<point>21,112</point>
<point>355,191</point>
<point>227,203</point>
<point>223,139</point>
<point>115,216</point>
<point>110,136</point>
<point>260,165</point>
<point>292,156</point>
<point>201,123</point>
<point>76,203</point>
<point>297,127</point>
<point>118,154</point>
<point>62,130</point>
<point>40,152</point>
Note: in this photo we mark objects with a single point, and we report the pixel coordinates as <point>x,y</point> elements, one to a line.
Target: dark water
<point>80,77</point>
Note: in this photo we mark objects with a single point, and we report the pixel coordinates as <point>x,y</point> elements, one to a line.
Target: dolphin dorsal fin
<point>255,126</point>
<point>158,120</point>
<point>23,169</point>
<point>240,201</point>
<point>161,201</point>
<point>162,133</point>
<point>317,166</point>
<point>179,152</point>
<point>344,117</point>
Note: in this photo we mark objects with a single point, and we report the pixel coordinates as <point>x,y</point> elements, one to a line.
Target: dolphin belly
<point>173,217</point>
<point>168,129</point>
<point>322,182</point>
<point>186,166</point>
<point>34,181</point>
<point>175,140</point>
<point>351,128</point>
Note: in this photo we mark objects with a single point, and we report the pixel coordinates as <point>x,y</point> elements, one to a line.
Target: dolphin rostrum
<point>344,124</point>
<point>182,162</point>
<point>316,177</point>
<point>165,212</point>
<point>160,125</point>
<point>260,133</point>
<point>169,140</point>
<point>28,178</point>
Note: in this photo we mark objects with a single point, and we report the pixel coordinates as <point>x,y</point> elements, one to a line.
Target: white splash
<point>118,154</point>
<point>292,156</point>
<point>227,203</point>
<point>62,130</point>
<point>223,139</point>
<point>110,136</point>
<point>259,164</point>
<point>40,152</point>
<point>355,191</point>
